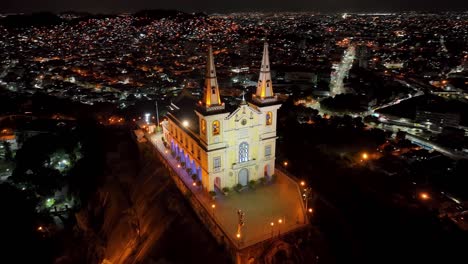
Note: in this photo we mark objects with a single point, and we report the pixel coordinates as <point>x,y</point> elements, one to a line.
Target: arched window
<point>269,118</point>
<point>216,128</point>
<point>243,152</point>
<point>203,126</point>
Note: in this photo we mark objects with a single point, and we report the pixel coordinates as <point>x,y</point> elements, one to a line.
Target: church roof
<point>182,108</point>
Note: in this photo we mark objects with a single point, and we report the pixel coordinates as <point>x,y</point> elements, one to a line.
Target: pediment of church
<point>243,111</point>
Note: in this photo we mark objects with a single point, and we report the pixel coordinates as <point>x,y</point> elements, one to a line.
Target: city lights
<point>270,114</point>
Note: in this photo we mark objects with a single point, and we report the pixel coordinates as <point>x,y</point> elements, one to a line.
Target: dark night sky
<point>113,6</point>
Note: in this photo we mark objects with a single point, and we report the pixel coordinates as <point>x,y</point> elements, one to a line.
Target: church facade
<point>224,148</point>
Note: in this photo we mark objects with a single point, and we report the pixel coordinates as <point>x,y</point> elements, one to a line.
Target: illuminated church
<point>225,148</point>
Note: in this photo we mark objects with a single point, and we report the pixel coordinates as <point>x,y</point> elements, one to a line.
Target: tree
<point>19,224</point>
<point>8,152</point>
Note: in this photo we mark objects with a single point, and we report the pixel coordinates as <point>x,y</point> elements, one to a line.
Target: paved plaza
<point>279,203</point>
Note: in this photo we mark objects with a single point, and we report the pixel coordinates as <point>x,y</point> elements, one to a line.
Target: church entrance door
<point>217,183</point>
<point>243,177</point>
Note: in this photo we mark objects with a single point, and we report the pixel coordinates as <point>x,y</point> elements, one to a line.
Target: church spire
<point>264,86</point>
<point>211,96</point>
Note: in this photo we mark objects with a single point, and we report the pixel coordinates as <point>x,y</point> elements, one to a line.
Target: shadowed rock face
<point>138,215</point>
<point>282,252</point>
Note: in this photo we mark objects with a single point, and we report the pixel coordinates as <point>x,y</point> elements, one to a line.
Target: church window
<point>213,90</point>
<point>203,126</point>
<point>216,128</point>
<point>267,151</point>
<point>217,163</point>
<point>269,118</point>
<point>243,152</point>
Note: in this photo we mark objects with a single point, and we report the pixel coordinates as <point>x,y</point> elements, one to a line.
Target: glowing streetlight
<point>147,118</point>
<point>272,231</point>
<point>285,163</point>
<point>310,210</point>
<point>185,123</point>
<point>365,156</point>
<point>302,183</point>
<point>424,196</point>
<point>40,228</point>
<point>213,206</point>
<point>280,221</point>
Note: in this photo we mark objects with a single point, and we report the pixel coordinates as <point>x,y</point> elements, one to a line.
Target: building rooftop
<point>182,109</point>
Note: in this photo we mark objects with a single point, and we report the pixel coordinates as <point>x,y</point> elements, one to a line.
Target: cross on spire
<point>243,98</point>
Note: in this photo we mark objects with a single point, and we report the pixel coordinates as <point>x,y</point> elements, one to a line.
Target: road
<point>341,71</point>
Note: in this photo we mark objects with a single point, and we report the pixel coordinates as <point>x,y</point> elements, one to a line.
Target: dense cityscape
<point>373,129</point>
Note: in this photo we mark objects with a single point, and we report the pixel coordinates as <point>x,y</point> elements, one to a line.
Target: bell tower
<point>264,92</point>
<point>211,99</point>
<point>267,104</point>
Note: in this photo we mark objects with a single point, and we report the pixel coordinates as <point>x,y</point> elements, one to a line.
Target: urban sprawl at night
<point>163,136</point>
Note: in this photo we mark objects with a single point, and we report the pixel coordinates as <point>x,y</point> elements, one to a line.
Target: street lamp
<point>238,235</point>
<point>272,225</point>
<point>147,118</point>
<point>302,183</point>
<point>424,196</point>
<point>280,221</point>
<point>365,156</point>
<point>213,206</point>
<point>285,163</point>
<point>306,195</point>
